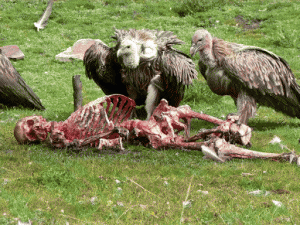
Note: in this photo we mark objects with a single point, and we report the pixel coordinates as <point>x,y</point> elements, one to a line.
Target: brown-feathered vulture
<point>143,66</point>
<point>249,74</point>
<point>13,89</point>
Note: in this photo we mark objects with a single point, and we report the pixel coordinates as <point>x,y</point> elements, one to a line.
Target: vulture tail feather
<point>13,89</point>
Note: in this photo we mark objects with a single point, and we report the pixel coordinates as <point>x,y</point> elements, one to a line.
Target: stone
<point>77,51</point>
<point>12,52</point>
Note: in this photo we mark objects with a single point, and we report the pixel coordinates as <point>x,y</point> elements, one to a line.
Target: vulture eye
<point>128,46</point>
<point>201,39</point>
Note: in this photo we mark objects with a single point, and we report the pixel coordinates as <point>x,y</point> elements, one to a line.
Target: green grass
<point>55,186</point>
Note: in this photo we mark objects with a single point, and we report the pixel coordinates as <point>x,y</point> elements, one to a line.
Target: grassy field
<point>144,186</point>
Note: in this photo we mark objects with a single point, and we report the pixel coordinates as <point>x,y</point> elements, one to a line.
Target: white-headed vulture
<point>143,66</point>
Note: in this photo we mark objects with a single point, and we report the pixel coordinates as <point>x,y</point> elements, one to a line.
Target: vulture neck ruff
<point>133,49</point>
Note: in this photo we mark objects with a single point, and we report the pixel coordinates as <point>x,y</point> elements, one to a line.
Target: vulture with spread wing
<point>249,74</point>
<point>13,89</point>
<point>143,66</point>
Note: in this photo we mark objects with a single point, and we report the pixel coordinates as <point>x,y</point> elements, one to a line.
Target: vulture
<point>13,89</point>
<point>142,65</point>
<point>249,74</point>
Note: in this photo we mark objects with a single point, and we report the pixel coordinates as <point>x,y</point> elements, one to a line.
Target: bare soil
<point>247,24</point>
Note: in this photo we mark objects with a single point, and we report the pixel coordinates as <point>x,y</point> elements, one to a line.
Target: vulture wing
<point>13,89</point>
<point>177,71</point>
<point>166,39</point>
<point>261,70</point>
<point>265,76</point>
<point>102,66</point>
<point>176,64</point>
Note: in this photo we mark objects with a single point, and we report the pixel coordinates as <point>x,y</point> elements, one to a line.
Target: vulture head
<point>134,47</point>
<point>201,40</point>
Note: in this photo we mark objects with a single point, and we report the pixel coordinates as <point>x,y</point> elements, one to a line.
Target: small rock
<point>257,192</point>
<point>93,199</point>
<point>275,140</point>
<point>77,51</point>
<point>21,223</point>
<point>203,192</point>
<point>120,204</point>
<point>277,203</point>
<point>187,204</point>
<point>12,52</point>
<point>119,189</point>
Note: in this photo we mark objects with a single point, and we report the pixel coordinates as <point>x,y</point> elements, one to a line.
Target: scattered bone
<point>111,143</point>
<point>224,149</point>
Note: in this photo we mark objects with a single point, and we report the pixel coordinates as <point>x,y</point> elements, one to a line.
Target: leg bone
<point>225,150</point>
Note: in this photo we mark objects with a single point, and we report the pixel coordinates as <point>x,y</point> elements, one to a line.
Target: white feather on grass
<point>41,24</point>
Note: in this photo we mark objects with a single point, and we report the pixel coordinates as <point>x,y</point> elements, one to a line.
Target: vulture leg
<point>153,98</point>
<point>246,106</point>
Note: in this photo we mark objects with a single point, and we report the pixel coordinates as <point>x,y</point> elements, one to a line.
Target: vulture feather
<point>143,66</point>
<point>13,89</point>
<point>249,74</point>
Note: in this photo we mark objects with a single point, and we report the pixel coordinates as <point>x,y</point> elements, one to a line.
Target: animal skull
<point>32,128</point>
<point>91,122</point>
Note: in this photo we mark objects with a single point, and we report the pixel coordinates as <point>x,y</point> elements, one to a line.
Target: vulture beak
<point>118,53</point>
<point>193,50</point>
<point>128,54</point>
<point>198,41</point>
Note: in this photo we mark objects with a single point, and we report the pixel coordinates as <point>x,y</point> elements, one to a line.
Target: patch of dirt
<point>247,24</point>
<point>280,191</point>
